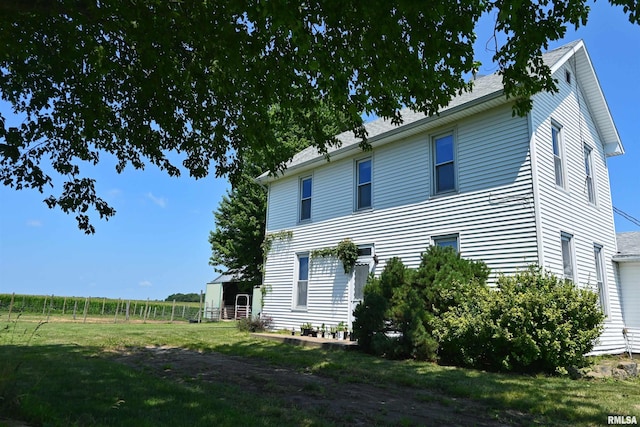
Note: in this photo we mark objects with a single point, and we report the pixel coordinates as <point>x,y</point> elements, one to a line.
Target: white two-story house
<point>511,191</point>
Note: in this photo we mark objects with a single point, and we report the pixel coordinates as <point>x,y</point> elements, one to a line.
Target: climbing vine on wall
<point>272,237</point>
<point>346,252</point>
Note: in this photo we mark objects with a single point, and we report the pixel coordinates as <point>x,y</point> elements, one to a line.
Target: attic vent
<point>567,76</point>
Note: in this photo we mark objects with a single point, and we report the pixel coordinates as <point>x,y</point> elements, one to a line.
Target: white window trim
<point>603,297</point>
<point>448,236</point>
<point>572,255</point>
<point>296,280</point>
<point>434,186</point>
<point>587,149</point>
<point>300,199</point>
<point>561,156</point>
<point>356,185</point>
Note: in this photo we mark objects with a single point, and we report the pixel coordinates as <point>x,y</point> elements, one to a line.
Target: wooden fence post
<point>44,305</point>
<point>75,308</point>
<point>117,308</point>
<point>200,308</point>
<point>173,310</point>
<point>86,309</point>
<point>13,295</point>
<point>126,317</point>
<point>64,305</point>
<point>104,300</point>
<point>50,308</point>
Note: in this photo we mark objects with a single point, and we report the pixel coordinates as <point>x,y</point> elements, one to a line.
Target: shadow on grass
<point>543,399</point>
<point>63,385</point>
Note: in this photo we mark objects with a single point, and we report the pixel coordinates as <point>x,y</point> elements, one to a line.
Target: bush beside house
<point>533,322</point>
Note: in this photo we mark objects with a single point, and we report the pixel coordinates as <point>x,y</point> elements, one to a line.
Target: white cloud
<point>160,201</point>
<point>145,284</point>
<point>34,223</point>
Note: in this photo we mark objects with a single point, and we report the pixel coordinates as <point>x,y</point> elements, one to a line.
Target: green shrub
<point>259,324</point>
<point>397,316</point>
<point>535,322</point>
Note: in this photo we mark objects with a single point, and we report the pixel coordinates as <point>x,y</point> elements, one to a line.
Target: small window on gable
<point>305,198</point>
<point>556,139</point>
<point>567,256</point>
<point>363,184</point>
<point>448,241</point>
<point>567,76</point>
<point>444,164</point>
<point>588,170</point>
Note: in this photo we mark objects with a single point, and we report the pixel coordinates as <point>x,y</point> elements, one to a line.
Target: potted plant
<point>322,330</point>
<point>340,330</point>
<point>333,331</point>
<point>306,329</point>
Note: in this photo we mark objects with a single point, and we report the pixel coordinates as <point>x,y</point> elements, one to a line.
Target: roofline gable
<point>488,92</point>
<point>594,96</point>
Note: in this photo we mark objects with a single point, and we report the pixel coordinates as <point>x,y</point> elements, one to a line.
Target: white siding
<point>568,210</point>
<point>493,213</point>
<point>630,290</point>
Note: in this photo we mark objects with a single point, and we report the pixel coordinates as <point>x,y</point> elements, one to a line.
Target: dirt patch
<point>342,404</point>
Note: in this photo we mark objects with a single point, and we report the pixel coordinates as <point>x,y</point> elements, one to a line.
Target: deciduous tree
<point>142,79</point>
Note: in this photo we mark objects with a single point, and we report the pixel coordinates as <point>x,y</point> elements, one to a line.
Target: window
<point>567,76</point>
<point>444,166</point>
<point>449,241</point>
<point>303,281</point>
<point>556,138</point>
<point>588,170</point>
<point>305,198</point>
<point>363,184</point>
<point>567,256</point>
<point>602,291</point>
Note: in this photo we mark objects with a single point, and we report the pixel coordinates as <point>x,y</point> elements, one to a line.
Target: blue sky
<point>156,244</point>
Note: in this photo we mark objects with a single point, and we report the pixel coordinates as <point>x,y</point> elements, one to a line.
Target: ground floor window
<point>448,241</point>
<point>567,256</point>
<point>302,281</point>
<point>601,287</point>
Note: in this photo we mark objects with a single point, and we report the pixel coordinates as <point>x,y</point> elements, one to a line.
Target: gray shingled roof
<point>225,278</point>
<point>484,88</point>
<point>628,244</point>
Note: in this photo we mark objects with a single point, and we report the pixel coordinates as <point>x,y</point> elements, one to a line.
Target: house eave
<point>598,105</point>
<point>474,106</point>
<point>626,258</point>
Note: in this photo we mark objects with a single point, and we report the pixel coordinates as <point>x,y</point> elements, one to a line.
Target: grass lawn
<point>64,373</point>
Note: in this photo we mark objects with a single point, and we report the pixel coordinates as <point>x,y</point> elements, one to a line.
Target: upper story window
<point>602,290</point>
<point>305,198</point>
<point>444,164</point>
<point>363,184</point>
<point>567,256</point>
<point>448,241</point>
<point>556,139</point>
<point>301,286</point>
<point>588,170</point>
